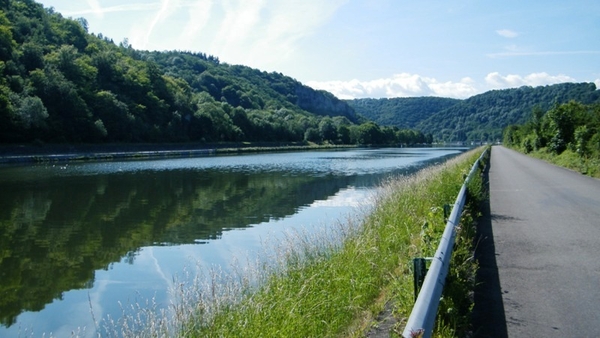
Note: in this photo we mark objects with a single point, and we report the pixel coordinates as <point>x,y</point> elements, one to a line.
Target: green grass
<point>333,283</point>
<point>570,160</point>
<point>318,287</point>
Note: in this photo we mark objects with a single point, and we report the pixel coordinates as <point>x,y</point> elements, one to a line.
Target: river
<point>79,241</point>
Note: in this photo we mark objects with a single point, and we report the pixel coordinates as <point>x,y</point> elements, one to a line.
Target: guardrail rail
<point>421,319</point>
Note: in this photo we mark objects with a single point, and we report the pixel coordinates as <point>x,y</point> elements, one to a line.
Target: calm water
<point>75,237</point>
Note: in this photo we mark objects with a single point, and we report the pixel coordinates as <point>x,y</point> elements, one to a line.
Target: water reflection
<point>62,224</point>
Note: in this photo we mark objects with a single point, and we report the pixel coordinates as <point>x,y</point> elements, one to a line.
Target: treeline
<point>479,118</point>
<point>483,117</point>
<point>60,84</point>
<point>571,127</point>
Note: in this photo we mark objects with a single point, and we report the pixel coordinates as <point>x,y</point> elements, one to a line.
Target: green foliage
<point>572,129</point>
<point>479,118</point>
<point>401,112</point>
<point>58,83</point>
<point>7,44</point>
<point>31,112</point>
<point>369,133</point>
<point>562,122</point>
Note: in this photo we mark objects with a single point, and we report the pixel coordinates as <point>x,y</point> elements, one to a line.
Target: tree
<point>118,122</point>
<point>313,135</point>
<point>32,56</point>
<point>344,134</point>
<point>581,137</point>
<point>562,123</point>
<point>83,23</point>
<point>370,133</point>
<point>32,112</point>
<point>7,120</point>
<point>7,44</point>
<point>328,130</point>
<point>512,135</point>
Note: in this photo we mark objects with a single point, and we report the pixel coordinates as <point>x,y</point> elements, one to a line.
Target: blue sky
<point>370,48</point>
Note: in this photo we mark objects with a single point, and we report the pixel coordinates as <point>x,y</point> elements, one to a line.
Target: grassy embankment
<point>568,159</point>
<point>329,288</point>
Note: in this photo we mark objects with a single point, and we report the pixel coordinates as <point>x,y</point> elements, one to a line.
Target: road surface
<point>540,251</point>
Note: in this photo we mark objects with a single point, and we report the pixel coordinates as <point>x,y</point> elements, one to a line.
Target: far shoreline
<point>31,154</point>
<point>61,152</point>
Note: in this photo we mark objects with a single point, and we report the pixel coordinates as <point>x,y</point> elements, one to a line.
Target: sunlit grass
<point>571,160</point>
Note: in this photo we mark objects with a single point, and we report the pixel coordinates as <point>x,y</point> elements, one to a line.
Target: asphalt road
<point>541,277</point>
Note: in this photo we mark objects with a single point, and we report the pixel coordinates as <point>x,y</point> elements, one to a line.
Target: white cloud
<point>512,51</point>
<point>411,85</point>
<point>264,33</point>
<point>166,9</point>
<point>399,85</point>
<point>96,9</point>
<point>597,82</point>
<point>242,19</point>
<point>497,81</point>
<point>259,33</point>
<point>507,33</point>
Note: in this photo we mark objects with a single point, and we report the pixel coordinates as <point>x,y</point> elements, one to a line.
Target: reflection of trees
<point>55,233</point>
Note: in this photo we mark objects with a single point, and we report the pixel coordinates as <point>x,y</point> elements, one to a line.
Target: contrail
<point>96,9</point>
<point>164,8</point>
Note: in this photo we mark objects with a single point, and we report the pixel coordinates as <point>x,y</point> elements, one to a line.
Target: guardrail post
<point>419,272</point>
<point>447,210</point>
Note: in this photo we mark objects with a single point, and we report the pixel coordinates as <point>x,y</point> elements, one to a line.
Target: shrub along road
<point>545,231</point>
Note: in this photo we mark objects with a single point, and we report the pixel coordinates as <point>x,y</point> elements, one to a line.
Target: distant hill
<point>401,112</point>
<point>60,84</point>
<point>478,118</point>
<point>249,88</point>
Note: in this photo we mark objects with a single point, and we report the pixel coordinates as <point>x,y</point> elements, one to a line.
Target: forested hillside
<point>59,84</point>
<point>483,117</point>
<point>478,118</point>
<point>405,112</point>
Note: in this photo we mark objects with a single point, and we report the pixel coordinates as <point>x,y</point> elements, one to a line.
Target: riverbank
<point>77,153</point>
<point>325,288</point>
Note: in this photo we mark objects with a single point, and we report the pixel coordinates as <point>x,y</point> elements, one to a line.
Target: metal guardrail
<point>421,319</point>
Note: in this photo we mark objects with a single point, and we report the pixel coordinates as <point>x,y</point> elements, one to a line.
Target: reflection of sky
<point>153,268</point>
<point>343,162</point>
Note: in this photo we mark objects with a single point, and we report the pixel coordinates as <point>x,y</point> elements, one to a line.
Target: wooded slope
<point>59,84</point>
<point>478,118</point>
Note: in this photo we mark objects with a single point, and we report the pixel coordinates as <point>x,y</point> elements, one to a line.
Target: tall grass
<point>330,283</point>
<point>569,159</point>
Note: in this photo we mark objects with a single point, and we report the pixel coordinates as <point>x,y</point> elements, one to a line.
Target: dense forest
<point>401,112</point>
<point>60,84</point>
<point>478,118</point>
<point>567,129</point>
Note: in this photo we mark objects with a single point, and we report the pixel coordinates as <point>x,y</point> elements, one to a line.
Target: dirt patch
<point>387,324</point>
